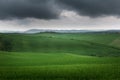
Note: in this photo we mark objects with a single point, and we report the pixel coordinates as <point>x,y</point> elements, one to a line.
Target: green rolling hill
<point>84,44</point>
<point>54,56</point>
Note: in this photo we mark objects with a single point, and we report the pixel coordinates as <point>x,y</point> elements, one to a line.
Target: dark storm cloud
<point>43,9</point>
<point>93,8</point>
<point>48,9</point>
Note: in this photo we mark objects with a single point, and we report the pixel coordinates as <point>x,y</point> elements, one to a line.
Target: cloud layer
<point>43,9</point>
<point>93,8</point>
<point>51,9</point>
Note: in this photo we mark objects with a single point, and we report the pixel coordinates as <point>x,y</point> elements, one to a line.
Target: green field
<point>54,56</point>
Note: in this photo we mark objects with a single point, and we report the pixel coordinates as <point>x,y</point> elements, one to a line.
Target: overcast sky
<point>21,15</point>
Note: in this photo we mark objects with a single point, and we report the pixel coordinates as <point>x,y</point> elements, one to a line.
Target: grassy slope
<point>85,44</point>
<point>57,57</point>
<point>42,59</point>
<point>64,66</point>
<point>63,72</point>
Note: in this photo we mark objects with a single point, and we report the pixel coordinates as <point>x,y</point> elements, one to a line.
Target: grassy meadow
<point>55,56</point>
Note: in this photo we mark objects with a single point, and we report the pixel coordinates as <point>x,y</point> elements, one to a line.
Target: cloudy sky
<point>21,15</point>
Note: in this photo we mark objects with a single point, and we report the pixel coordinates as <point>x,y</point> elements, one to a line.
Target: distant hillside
<point>33,31</point>
<point>71,31</point>
<point>85,44</point>
<point>56,31</point>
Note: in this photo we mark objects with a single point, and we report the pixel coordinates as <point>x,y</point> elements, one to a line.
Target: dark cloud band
<point>93,8</point>
<point>48,9</point>
<point>43,9</point>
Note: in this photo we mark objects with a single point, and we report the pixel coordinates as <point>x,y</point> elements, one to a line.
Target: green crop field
<point>55,56</point>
